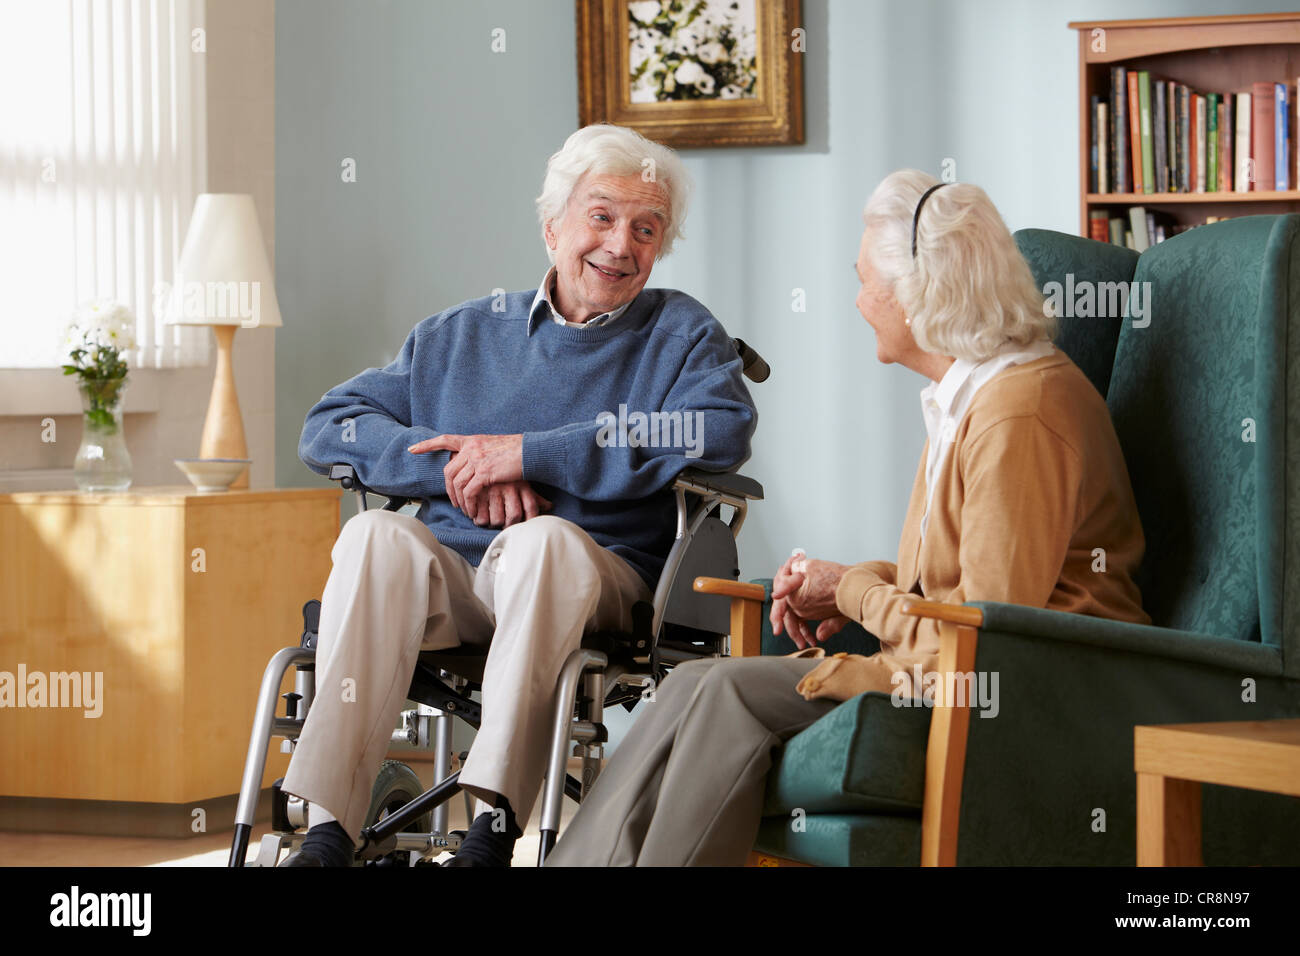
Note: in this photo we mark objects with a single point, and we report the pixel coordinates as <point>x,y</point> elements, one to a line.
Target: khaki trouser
<point>686,785</point>
<point>395,590</point>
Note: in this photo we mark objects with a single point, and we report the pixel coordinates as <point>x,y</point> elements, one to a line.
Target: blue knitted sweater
<point>609,415</point>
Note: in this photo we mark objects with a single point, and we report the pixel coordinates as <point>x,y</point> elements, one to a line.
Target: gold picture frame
<point>766,104</point>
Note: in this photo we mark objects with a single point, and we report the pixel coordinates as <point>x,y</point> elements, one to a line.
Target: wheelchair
<point>407,825</point>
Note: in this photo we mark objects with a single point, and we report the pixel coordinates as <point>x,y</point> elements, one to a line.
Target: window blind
<point>102,153</point>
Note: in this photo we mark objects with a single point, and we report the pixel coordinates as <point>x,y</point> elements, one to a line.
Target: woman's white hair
<point>607,150</point>
<point>969,290</point>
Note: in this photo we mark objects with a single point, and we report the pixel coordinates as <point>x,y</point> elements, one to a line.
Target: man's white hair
<point>606,150</point>
<point>969,290</point>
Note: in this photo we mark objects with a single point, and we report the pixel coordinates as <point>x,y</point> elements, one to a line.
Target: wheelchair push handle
<point>755,368</point>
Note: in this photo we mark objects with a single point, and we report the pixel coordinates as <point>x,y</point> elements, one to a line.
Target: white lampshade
<point>224,277</point>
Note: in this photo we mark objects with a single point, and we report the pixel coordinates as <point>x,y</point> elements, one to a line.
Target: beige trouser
<point>395,590</point>
<point>686,785</point>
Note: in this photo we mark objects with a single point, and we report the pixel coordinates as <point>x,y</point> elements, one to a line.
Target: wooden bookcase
<point>1222,54</point>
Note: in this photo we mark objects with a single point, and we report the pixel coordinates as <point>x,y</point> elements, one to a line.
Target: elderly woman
<point>1021,480</point>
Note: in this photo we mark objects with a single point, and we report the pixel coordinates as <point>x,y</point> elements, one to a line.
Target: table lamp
<point>224,280</point>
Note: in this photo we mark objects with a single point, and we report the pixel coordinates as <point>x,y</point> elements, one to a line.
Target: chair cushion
<point>834,839</point>
<point>865,755</point>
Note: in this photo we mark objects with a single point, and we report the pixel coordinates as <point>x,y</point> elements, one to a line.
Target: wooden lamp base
<point>223,430</point>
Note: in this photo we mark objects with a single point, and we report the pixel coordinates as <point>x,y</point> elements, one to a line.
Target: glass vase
<point>103,463</point>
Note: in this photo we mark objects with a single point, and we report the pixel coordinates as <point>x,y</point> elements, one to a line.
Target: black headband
<point>916,216</point>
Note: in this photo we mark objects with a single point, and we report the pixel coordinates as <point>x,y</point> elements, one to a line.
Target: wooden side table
<point>1173,760</point>
<point>178,599</point>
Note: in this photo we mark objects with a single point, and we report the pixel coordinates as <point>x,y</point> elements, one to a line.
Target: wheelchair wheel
<point>395,786</point>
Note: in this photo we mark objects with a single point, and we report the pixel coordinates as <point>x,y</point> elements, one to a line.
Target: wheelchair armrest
<point>346,475</point>
<point>722,482</point>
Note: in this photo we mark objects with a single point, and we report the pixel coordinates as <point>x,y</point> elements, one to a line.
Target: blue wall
<point>450,142</point>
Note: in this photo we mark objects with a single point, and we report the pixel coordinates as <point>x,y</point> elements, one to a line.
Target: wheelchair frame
<point>610,668</point>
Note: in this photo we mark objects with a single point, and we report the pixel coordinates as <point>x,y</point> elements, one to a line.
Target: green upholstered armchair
<point>1205,397</point>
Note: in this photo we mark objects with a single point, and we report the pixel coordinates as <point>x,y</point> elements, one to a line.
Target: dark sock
<point>488,846</point>
<point>331,843</point>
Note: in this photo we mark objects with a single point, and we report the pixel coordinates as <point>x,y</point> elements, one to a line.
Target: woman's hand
<point>781,615</point>
<point>804,590</point>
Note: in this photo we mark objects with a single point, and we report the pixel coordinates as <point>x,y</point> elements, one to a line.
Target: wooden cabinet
<point>177,599</point>
<point>1223,54</point>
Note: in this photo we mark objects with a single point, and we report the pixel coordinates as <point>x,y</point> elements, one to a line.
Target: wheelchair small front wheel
<point>395,787</point>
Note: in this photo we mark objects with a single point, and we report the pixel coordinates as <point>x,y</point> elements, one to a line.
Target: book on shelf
<point>1103,146</point>
<point>1159,228</point>
<point>1261,135</point>
<point>1147,148</point>
<point>1119,129</point>
<point>1135,132</point>
<point>1160,139</point>
<point>1227,133</point>
<point>1212,141</point>
<point>1094,182</point>
<point>1117,232</point>
<point>1099,225</point>
<point>1137,217</point>
<point>1241,150</point>
<point>1281,138</point>
<point>1202,165</point>
<point>1171,118</point>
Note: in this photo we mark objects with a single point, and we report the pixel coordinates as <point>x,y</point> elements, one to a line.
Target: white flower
<point>644,10</point>
<point>712,52</point>
<point>641,50</point>
<point>686,40</point>
<point>691,72</point>
<point>104,323</point>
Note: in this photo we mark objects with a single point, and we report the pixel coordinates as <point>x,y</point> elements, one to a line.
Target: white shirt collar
<point>952,393</point>
<point>544,295</point>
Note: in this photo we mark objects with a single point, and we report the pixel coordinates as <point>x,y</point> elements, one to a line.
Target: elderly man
<point>496,411</point>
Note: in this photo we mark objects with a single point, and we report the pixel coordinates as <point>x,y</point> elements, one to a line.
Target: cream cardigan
<point>1032,501</point>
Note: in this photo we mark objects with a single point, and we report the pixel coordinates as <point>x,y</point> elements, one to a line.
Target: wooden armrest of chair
<point>938,611</point>
<point>746,612</point>
<point>945,755</point>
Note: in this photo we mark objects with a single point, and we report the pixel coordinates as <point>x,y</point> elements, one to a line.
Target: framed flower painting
<point>691,73</point>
